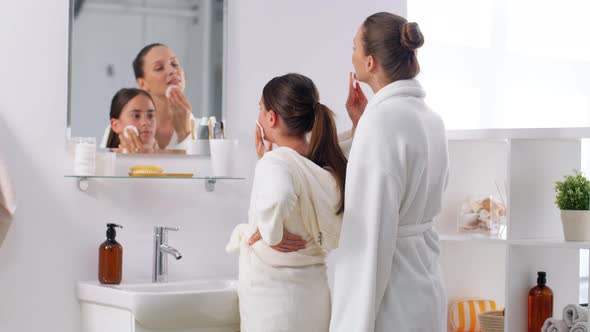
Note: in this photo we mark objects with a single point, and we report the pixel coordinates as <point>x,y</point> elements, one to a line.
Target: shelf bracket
<point>83,184</point>
<point>210,184</point>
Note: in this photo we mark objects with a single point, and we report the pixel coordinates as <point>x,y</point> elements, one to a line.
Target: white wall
<point>55,236</point>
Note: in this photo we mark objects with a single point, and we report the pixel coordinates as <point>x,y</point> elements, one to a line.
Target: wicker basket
<point>492,321</point>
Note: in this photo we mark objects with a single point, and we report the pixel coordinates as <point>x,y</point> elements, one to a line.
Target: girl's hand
<point>130,143</point>
<point>259,143</point>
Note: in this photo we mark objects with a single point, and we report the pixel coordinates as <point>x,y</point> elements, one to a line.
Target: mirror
<point>183,76</point>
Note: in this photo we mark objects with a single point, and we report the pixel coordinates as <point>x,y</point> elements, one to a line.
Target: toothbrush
<point>210,129</point>
<point>193,129</point>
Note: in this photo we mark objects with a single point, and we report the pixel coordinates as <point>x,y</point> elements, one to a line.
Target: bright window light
<point>459,106</point>
<point>543,109</point>
<point>548,28</point>
<point>438,20</point>
<point>506,64</point>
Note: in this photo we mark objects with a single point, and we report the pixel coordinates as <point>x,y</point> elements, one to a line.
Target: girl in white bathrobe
<point>298,190</point>
<point>387,272</point>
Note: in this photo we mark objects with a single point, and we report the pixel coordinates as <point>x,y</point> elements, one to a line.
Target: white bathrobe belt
<point>414,230</point>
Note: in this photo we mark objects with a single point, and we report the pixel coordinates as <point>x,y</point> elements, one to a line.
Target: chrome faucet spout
<point>161,252</point>
<point>170,250</point>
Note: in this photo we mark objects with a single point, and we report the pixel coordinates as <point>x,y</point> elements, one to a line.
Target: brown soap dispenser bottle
<point>110,258</point>
<point>540,303</point>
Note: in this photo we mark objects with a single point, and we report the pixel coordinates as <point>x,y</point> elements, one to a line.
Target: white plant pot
<point>576,225</point>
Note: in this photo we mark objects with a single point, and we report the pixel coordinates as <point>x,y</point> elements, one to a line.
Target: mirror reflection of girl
<point>298,189</point>
<point>132,109</point>
<point>158,71</point>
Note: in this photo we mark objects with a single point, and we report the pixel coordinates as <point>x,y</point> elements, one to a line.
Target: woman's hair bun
<point>411,36</point>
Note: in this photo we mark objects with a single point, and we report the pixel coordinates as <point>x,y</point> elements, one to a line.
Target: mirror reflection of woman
<point>158,71</point>
<point>132,109</point>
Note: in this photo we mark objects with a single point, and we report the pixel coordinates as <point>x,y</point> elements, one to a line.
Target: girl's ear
<point>273,118</point>
<point>116,125</point>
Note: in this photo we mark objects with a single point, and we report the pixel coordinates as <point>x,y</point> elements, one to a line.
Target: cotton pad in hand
<point>132,127</point>
<point>261,129</point>
<point>169,90</point>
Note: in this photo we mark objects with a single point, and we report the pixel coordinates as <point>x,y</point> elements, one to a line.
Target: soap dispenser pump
<point>110,258</point>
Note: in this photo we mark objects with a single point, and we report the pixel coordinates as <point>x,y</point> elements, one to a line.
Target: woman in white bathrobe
<point>387,271</point>
<point>298,189</point>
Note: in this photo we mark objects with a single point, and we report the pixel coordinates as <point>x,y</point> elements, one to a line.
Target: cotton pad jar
<point>84,155</point>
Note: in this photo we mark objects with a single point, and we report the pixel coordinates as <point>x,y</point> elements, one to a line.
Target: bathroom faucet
<point>161,251</point>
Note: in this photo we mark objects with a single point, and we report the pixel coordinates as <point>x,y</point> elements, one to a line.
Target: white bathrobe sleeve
<point>345,141</point>
<point>374,189</point>
<point>275,198</point>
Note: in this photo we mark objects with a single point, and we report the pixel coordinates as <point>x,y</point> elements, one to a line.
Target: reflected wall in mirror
<point>171,49</point>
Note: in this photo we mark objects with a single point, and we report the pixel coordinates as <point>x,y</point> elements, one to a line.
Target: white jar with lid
<point>84,155</point>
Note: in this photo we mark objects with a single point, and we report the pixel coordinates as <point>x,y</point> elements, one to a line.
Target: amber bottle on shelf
<point>110,258</point>
<point>540,303</point>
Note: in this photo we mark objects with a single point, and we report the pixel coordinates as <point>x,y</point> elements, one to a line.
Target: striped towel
<point>463,314</point>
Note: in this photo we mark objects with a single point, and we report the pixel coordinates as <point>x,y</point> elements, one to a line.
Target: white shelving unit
<point>526,162</point>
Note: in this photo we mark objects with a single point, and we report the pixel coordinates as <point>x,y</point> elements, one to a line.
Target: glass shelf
<point>551,243</point>
<point>471,239</point>
<point>533,242</point>
<point>83,180</point>
<point>519,133</point>
<point>154,177</point>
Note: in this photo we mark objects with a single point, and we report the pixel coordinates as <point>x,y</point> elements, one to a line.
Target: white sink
<point>170,305</point>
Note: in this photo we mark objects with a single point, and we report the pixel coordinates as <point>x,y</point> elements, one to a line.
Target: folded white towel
<point>574,313</point>
<point>7,201</point>
<point>554,325</point>
<point>580,327</point>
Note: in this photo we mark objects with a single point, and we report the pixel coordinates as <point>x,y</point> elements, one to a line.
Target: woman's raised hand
<point>181,113</point>
<point>356,101</point>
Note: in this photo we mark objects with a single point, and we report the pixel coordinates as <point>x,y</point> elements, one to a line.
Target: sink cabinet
<point>100,318</point>
<point>187,306</point>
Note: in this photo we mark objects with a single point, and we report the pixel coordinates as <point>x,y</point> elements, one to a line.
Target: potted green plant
<point>573,199</point>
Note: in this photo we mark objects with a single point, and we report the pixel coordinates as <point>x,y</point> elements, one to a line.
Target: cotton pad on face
<point>132,127</point>
<point>169,90</point>
<point>261,129</point>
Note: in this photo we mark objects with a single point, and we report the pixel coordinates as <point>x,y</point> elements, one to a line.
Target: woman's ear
<point>371,64</point>
<point>142,84</point>
<point>116,126</point>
